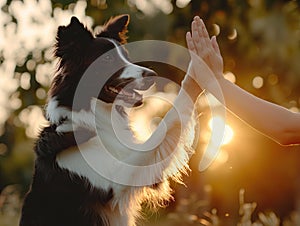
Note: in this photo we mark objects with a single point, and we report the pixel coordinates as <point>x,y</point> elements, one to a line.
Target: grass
<point>10,206</point>
<point>190,212</point>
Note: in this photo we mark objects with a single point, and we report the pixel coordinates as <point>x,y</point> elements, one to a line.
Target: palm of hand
<point>207,62</point>
<point>215,63</point>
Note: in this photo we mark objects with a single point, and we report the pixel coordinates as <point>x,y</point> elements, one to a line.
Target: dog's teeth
<point>125,93</point>
<point>113,89</point>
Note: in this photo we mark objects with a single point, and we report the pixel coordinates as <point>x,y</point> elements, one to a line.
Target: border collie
<point>84,173</point>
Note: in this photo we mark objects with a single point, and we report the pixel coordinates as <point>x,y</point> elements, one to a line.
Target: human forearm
<point>272,120</point>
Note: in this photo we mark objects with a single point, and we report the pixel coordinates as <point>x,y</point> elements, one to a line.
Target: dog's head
<point>77,48</point>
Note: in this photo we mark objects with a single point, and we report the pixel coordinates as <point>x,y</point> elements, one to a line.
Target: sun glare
<point>222,133</point>
<point>219,134</point>
<point>145,120</point>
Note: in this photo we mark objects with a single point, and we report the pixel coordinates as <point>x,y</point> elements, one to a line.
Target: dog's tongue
<point>127,93</point>
<point>131,94</point>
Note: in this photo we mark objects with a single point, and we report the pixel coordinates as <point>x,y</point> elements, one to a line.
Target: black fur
<point>77,48</point>
<point>75,201</point>
<point>112,29</point>
<point>58,197</point>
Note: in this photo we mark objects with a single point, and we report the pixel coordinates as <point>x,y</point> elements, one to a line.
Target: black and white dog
<point>67,190</point>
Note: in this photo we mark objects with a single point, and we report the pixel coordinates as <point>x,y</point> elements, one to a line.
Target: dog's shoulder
<point>58,196</point>
<point>50,142</point>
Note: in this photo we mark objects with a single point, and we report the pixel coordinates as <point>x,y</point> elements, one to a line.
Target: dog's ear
<point>116,28</point>
<point>72,39</point>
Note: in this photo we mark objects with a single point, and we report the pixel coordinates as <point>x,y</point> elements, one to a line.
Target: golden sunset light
<point>229,160</point>
<point>218,124</point>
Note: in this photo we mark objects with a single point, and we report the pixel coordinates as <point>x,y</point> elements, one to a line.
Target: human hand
<point>207,62</point>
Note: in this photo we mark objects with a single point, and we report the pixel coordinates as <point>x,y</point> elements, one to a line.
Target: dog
<point>67,190</point>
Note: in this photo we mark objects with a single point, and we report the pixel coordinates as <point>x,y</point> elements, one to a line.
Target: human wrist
<point>190,86</point>
<point>217,82</point>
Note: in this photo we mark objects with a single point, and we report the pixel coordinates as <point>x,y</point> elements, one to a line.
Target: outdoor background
<point>252,180</point>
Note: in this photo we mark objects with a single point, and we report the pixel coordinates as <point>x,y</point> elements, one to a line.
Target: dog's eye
<point>108,58</point>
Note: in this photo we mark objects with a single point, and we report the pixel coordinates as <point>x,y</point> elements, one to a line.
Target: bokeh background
<point>254,181</point>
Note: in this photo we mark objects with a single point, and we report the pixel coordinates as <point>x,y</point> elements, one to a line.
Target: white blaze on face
<point>131,70</point>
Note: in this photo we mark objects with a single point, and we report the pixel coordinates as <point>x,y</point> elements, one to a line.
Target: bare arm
<point>274,121</point>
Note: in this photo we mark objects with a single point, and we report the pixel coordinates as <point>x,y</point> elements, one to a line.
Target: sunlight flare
<point>218,124</point>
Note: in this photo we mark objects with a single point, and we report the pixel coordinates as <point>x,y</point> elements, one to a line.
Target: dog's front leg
<point>167,151</point>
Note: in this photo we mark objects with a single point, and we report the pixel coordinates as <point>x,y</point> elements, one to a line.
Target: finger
<point>205,42</point>
<point>197,19</point>
<point>203,28</point>
<point>198,25</point>
<point>195,32</point>
<point>206,39</point>
<point>215,45</point>
<point>199,43</point>
<point>190,43</point>
<point>198,34</point>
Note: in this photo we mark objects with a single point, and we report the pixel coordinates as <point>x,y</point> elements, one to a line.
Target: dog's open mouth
<point>128,95</point>
<point>126,90</point>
